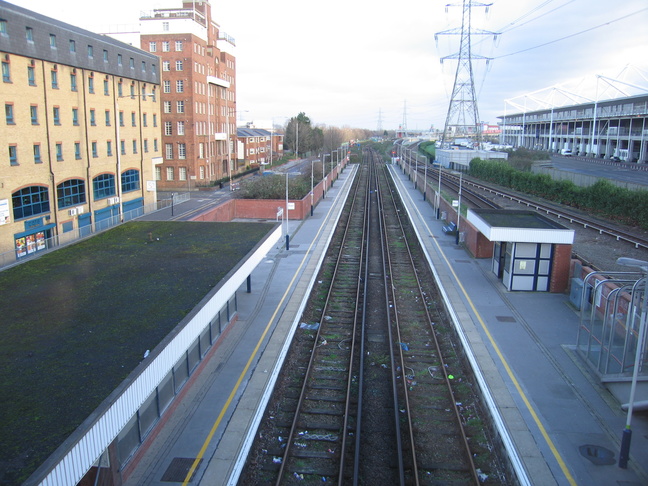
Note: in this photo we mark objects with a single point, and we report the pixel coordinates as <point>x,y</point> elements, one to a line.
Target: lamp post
<point>424,179</point>
<point>312,175</point>
<point>287,235</point>
<point>624,453</point>
<point>323,172</point>
<point>439,195</point>
<point>415,171</point>
<point>459,207</point>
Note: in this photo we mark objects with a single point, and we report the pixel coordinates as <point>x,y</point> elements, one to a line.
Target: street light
<point>624,453</point>
<point>424,179</point>
<point>439,195</point>
<point>459,207</point>
<point>312,175</point>
<point>287,235</point>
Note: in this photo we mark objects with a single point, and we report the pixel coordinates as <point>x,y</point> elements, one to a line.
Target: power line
<point>572,35</point>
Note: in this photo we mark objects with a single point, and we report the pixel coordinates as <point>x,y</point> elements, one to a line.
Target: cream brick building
<point>80,135</point>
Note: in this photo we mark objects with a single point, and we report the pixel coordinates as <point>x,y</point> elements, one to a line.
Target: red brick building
<point>198,93</point>
<point>258,146</point>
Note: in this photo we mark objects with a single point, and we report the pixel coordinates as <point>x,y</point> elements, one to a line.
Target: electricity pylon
<point>463,115</point>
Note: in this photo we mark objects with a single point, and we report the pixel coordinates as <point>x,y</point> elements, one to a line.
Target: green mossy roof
<point>75,322</point>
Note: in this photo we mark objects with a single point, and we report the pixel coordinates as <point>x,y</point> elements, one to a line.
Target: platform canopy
<point>519,226</point>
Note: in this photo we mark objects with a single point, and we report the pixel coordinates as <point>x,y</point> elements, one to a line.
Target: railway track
<point>373,391</point>
<point>474,192</point>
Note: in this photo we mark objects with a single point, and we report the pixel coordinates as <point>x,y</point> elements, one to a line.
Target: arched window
<point>103,186</point>
<point>71,193</point>
<point>30,201</point>
<point>130,180</point>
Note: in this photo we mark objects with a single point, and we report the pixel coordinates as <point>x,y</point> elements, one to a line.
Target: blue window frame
<point>6,72</point>
<point>130,180</point>
<point>77,150</point>
<point>30,201</point>
<point>37,154</point>
<point>31,75</point>
<point>103,186</point>
<point>9,114</point>
<point>54,80</point>
<point>13,155</point>
<point>70,193</point>
<point>73,82</point>
<point>57,115</point>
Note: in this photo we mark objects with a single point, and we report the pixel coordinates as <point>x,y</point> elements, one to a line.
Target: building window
<point>57,115</point>
<point>122,147</point>
<point>133,119</point>
<point>109,148</point>
<point>30,201</point>
<point>202,172</point>
<point>144,119</point>
<point>178,65</point>
<point>73,82</point>
<point>31,75</point>
<point>95,152</point>
<point>152,46</point>
<point>134,146</point>
<point>70,193</point>
<point>105,55</point>
<point>168,151</point>
<point>6,72</point>
<point>182,151</point>
<point>143,66</point>
<point>131,63</point>
<point>106,88</point>
<point>72,45</point>
<point>132,91</point>
<point>103,186</point>
<point>9,114</point>
<point>77,150</point>
<point>154,119</point>
<point>13,155</point>
<point>169,171</point>
<point>168,128</point>
<point>59,152</point>
<point>166,65</point>
<point>107,112</point>
<point>145,145</point>
<point>179,46</point>
<point>180,106</point>
<point>179,86</point>
<point>119,59</point>
<point>93,121</point>
<point>158,173</point>
<point>182,173</point>
<point>166,86</point>
<point>201,151</point>
<point>37,154</point>
<point>29,34</point>
<point>166,46</point>
<point>181,128</point>
<point>165,26</point>
<point>90,84</point>
<point>130,180</point>
<point>90,52</point>
<point>75,117</point>
<point>121,118</point>
<point>3,27</point>
<point>155,145</point>
<point>52,41</point>
<point>54,76</point>
<point>120,89</point>
<point>167,107</point>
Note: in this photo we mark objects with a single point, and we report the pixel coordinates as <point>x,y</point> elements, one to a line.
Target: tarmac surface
<point>562,423</point>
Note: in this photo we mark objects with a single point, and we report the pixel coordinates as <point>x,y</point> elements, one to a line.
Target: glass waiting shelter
<point>524,244</point>
<point>611,308</point>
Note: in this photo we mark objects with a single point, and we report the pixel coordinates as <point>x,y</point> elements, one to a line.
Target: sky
<point>355,63</point>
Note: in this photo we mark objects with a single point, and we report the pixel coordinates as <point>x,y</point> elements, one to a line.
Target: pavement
<point>564,426</point>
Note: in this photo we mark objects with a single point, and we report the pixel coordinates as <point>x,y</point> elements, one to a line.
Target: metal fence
<point>11,258</point>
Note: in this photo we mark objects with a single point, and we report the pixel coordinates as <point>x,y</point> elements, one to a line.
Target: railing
<point>11,258</point>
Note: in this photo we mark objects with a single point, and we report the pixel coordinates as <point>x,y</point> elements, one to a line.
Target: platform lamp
<point>624,453</point>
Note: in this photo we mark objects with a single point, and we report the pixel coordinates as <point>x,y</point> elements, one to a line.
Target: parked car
<point>566,152</point>
<point>614,158</point>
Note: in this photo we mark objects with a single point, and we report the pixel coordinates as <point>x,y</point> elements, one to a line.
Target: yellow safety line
<point>210,436</point>
<point>484,326</point>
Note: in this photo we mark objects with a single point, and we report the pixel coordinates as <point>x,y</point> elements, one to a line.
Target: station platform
<point>564,426</point>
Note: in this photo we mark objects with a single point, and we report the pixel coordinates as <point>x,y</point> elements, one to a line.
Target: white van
<point>566,152</point>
